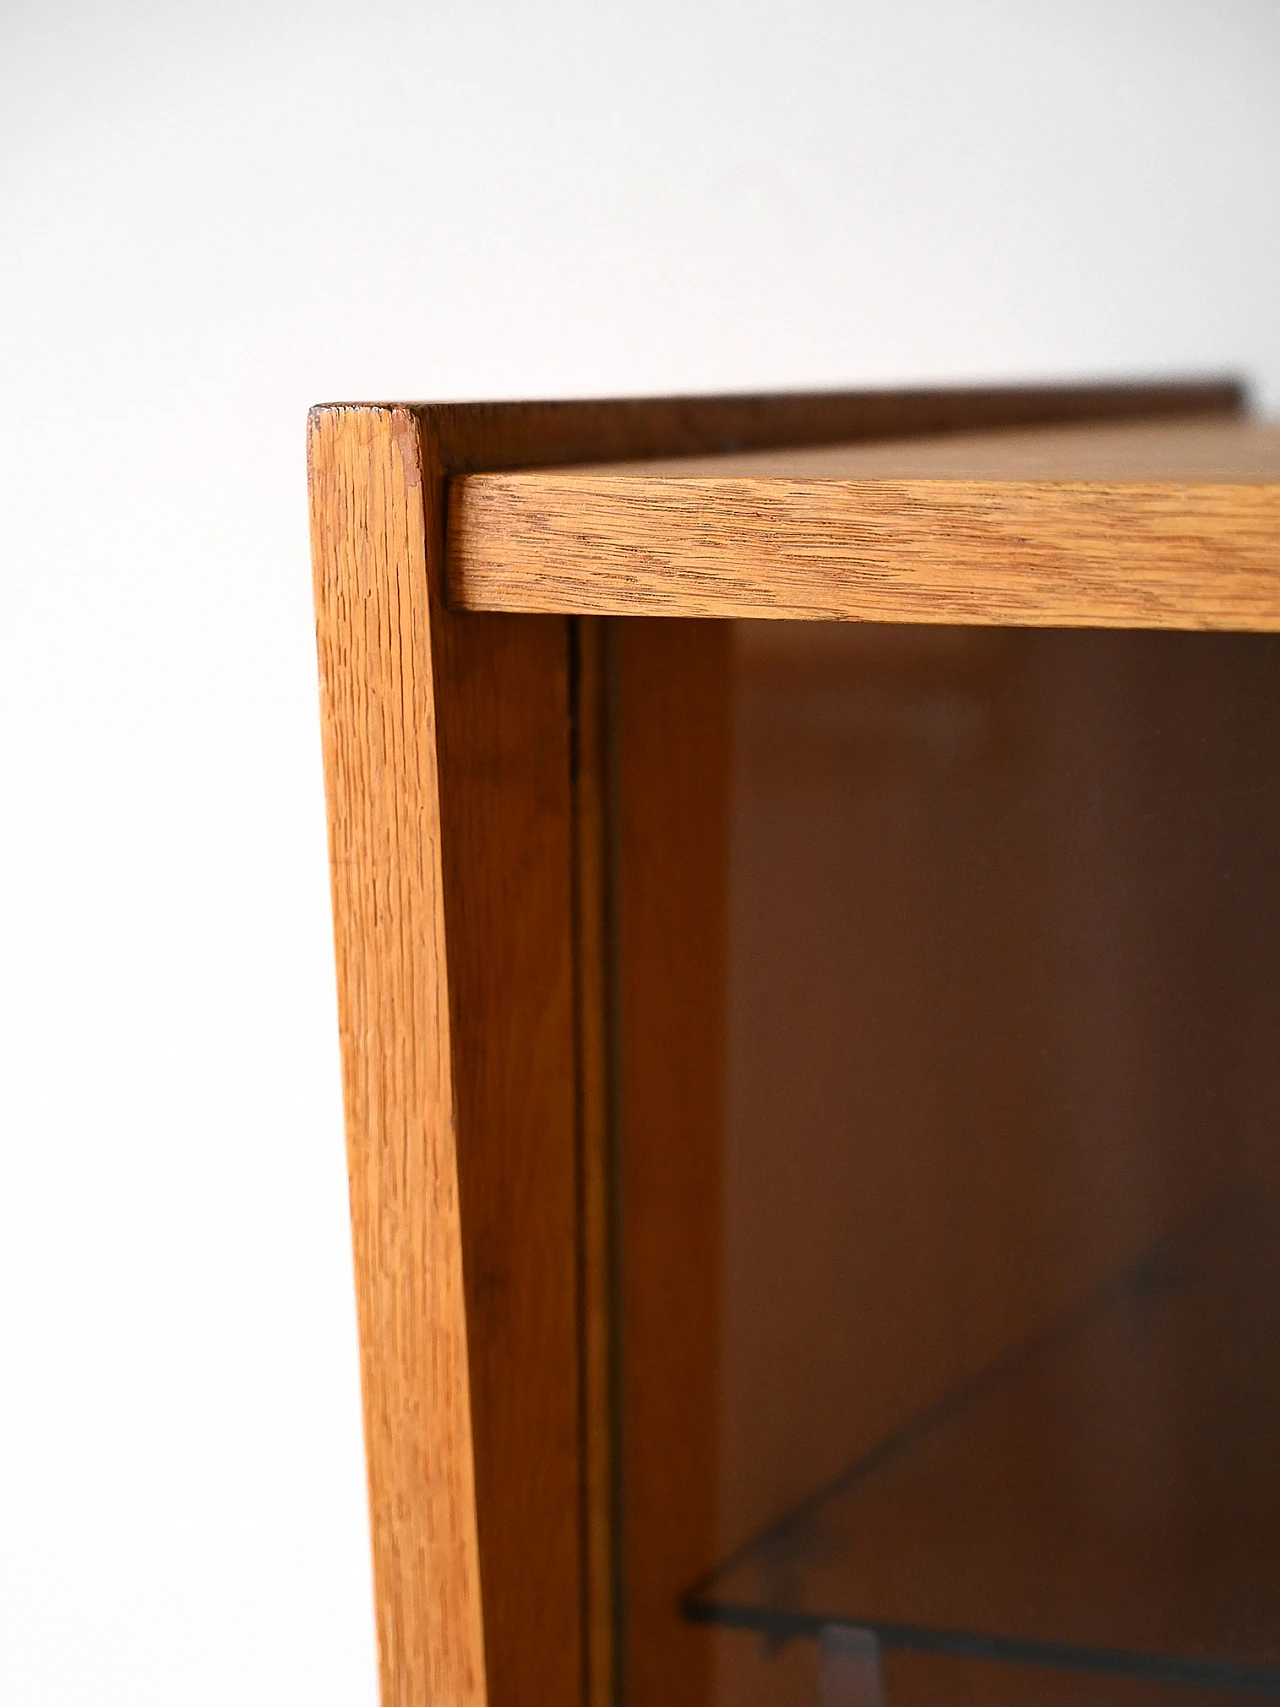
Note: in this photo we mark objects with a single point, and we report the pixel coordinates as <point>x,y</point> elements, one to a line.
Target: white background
<point>214,215</point>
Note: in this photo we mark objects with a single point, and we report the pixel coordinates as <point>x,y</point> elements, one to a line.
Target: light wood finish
<point>382,776</point>
<point>447,748</point>
<point>466,847</point>
<point>1170,525</point>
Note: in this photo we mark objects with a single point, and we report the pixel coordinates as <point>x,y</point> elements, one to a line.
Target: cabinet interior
<point>943,1181</point>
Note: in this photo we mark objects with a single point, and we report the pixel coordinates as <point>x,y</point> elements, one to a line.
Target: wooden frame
<point>1147,525</point>
<point>468,817</point>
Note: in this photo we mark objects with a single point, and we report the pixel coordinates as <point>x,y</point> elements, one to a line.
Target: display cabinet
<point>806,880</point>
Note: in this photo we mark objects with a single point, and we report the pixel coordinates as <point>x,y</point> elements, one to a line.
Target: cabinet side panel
<point>379,726</point>
<point>504,726</point>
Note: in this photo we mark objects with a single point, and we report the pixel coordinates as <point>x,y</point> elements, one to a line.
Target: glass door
<point>945,1022</point>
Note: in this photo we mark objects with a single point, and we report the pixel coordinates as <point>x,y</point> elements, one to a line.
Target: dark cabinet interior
<point>947,1184</point>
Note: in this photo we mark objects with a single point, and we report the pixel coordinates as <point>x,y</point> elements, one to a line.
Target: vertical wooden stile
<point>448,770</point>
<point>382,779</point>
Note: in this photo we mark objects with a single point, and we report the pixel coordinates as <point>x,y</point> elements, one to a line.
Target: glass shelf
<point>1105,1499</point>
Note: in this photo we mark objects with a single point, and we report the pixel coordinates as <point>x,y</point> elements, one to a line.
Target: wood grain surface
<point>1171,525</point>
<point>382,777</point>
<point>467,836</point>
<point>447,745</point>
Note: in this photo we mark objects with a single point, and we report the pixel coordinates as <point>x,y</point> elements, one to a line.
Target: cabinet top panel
<point>1150,524</point>
<point>1209,449</point>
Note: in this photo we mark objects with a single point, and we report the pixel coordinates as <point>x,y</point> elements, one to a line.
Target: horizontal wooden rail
<point>1168,524</point>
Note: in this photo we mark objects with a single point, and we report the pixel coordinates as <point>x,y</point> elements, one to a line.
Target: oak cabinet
<point>807,912</point>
